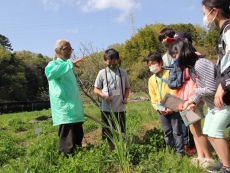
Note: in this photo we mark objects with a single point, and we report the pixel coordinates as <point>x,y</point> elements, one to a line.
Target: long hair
<point>223,5</point>
<point>186,53</point>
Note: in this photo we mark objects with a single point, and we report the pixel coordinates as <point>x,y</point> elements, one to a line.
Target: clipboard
<point>190,117</point>
<point>172,102</point>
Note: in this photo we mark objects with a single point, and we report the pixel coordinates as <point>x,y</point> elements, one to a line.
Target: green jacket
<point>65,99</point>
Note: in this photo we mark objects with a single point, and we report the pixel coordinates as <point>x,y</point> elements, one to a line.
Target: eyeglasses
<point>68,48</point>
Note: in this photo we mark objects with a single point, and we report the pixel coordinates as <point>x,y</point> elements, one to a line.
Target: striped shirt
<point>204,75</point>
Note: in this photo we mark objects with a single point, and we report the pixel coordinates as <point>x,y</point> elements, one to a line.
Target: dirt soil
<point>91,138</point>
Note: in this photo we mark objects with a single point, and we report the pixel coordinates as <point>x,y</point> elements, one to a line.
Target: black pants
<point>109,116</point>
<point>70,135</point>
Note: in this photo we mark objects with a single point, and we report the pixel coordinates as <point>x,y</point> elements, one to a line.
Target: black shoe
<point>224,170</point>
<point>215,167</point>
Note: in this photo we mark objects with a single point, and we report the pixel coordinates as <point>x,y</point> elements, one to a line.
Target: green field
<point>143,150</point>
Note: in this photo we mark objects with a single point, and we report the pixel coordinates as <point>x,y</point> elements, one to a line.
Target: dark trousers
<point>110,119</point>
<point>188,137</point>
<point>172,128</point>
<point>70,135</point>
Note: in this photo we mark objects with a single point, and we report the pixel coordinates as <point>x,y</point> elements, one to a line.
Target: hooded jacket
<point>65,99</point>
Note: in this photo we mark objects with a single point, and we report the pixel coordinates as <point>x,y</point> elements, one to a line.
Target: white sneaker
<point>197,161</point>
<point>207,163</point>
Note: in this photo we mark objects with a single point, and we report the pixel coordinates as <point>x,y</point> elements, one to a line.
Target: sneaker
<point>207,163</point>
<point>191,151</point>
<point>186,147</point>
<point>224,170</point>
<point>215,167</point>
<point>197,161</point>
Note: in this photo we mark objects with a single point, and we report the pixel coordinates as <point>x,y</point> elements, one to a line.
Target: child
<point>113,87</point>
<point>202,71</point>
<point>216,15</point>
<point>184,92</point>
<point>166,36</point>
<point>171,121</point>
<point>176,50</point>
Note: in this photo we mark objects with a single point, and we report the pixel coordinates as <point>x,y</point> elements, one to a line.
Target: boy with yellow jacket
<point>171,121</point>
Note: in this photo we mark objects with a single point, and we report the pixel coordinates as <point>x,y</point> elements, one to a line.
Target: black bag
<point>226,98</point>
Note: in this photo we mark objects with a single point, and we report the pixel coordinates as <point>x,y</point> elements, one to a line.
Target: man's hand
<point>75,61</point>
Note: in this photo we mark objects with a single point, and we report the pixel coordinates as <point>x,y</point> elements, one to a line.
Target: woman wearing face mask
<point>171,121</point>
<point>216,14</point>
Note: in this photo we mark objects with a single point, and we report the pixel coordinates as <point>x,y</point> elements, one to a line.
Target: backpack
<point>176,76</point>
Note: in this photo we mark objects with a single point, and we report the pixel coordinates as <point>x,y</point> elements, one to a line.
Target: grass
<point>23,151</point>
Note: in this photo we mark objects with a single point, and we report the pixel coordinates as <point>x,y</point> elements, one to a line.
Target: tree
<point>211,41</point>
<point>4,42</point>
<point>22,73</point>
<point>144,41</point>
<point>88,71</point>
<point>12,79</point>
<point>34,65</point>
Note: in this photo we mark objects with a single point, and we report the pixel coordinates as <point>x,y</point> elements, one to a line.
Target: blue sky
<point>35,25</point>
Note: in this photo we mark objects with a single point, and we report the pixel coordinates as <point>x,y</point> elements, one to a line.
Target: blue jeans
<point>188,137</point>
<point>172,128</point>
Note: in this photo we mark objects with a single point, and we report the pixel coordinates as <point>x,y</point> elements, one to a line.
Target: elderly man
<point>65,99</point>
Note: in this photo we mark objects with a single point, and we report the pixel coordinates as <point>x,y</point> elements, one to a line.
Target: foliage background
<point>22,75</point>
<point>24,151</point>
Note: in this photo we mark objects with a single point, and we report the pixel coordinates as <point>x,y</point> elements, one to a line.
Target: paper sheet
<point>172,102</point>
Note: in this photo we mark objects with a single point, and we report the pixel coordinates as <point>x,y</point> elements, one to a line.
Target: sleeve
<point>56,70</point>
<point>99,82</point>
<point>206,72</point>
<point>152,93</point>
<point>227,38</point>
<point>127,85</point>
<point>225,77</point>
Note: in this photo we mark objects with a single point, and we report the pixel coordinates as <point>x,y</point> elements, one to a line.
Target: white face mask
<point>209,24</point>
<point>154,68</point>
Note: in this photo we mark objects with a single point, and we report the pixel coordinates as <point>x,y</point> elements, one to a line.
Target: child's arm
<point>125,99</point>
<point>206,72</point>
<point>101,95</point>
<point>152,92</point>
<point>187,103</point>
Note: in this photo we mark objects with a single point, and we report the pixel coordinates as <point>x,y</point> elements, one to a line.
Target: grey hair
<point>58,45</point>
